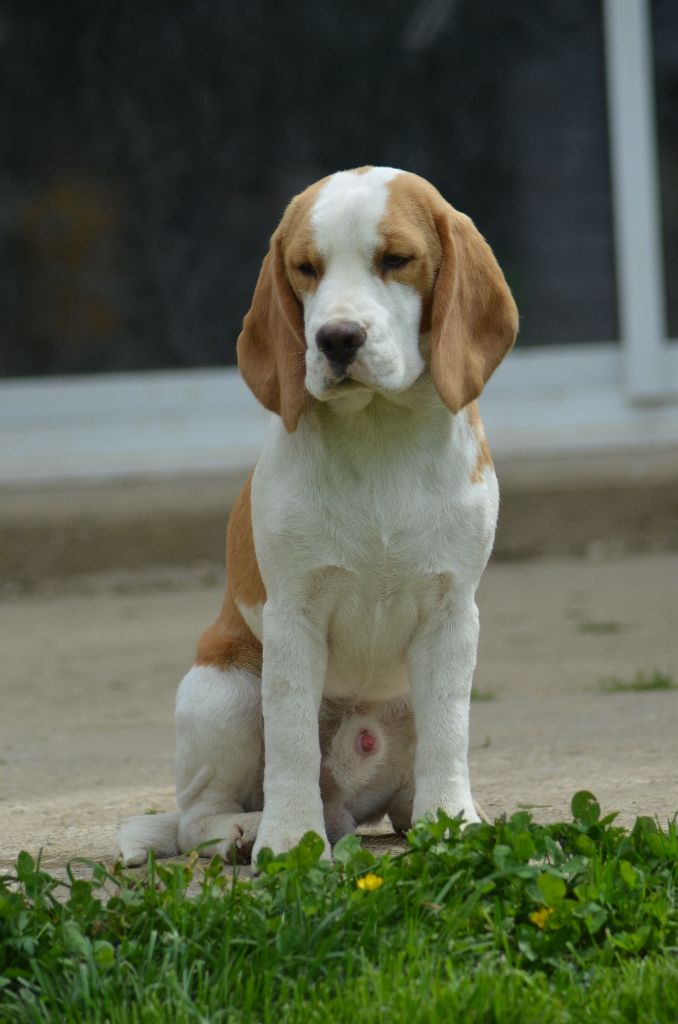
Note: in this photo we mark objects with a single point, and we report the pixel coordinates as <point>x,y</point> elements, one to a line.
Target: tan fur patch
<point>484,457</point>
<point>408,229</point>
<point>229,640</point>
<point>297,240</point>
<point>466,304</point>
<point>243,570</point>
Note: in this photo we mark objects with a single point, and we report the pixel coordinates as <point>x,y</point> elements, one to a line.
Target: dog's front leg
<point>294,663</point>
<point>441,661</point>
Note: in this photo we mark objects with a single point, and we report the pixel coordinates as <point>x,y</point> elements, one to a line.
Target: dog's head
<point>370,279</point>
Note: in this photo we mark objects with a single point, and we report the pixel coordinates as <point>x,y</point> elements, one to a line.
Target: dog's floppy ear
<point>474,320</point>
<point>271,348</point>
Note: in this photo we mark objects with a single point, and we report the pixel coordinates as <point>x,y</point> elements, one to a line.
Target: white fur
<point>371,537</point>
<point>345,220</point>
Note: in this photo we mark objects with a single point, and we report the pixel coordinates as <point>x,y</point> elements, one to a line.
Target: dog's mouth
<point>347,393</point>
<point>343,383</point>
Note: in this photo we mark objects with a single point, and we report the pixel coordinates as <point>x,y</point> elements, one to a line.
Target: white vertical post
<point>635,192</point>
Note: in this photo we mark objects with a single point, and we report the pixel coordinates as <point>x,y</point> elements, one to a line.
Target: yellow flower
<point>369,882</point>
<point>540,917</point>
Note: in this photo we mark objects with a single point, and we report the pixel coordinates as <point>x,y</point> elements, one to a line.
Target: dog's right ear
<point>271,347</point>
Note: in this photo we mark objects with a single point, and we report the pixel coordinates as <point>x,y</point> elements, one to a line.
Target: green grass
<point>640,682</point>
<point>513,922</point>
<point>482,695</point>
<point>600,628</point>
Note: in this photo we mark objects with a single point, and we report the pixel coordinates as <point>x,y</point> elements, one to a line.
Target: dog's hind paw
<point>144,832</point>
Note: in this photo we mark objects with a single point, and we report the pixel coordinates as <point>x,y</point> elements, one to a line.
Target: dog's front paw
<point>470,816</point>
<point>281,836</point>
<point>239,837</point>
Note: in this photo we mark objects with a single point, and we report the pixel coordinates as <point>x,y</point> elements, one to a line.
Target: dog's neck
<point>366,424</point>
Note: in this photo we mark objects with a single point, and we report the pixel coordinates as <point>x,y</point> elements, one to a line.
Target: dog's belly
<point>368,635</point>
<point>359,683</point>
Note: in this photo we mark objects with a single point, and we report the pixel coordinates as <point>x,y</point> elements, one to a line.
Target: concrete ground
<point>89,674</point>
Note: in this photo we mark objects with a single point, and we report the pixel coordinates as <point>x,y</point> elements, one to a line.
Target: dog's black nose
<point>339,340</point>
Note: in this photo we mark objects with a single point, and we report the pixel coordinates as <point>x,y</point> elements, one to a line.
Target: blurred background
<point>149,149</point>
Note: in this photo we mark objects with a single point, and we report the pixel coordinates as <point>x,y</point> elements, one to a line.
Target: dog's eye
<point>306,269</point>
<point>391,261</point>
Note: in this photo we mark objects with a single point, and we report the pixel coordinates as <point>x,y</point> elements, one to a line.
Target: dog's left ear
<point>271,348</point>
<point>474,320</point>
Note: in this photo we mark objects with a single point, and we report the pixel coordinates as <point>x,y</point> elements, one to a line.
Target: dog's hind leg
<point>219,760</point>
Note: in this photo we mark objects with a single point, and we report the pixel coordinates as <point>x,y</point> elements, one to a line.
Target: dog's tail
<point>144,832</point>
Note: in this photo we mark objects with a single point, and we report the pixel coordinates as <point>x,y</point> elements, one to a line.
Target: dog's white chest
<point>367,547</point>
<point>373,606</point>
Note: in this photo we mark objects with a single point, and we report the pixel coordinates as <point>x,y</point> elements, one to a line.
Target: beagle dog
<point>354,551</point>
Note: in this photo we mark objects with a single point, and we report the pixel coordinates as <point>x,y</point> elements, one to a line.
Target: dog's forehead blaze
<point>408,217</point>
<point>298,232</point>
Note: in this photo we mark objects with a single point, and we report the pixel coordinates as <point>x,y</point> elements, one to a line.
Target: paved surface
<point>88,681</point>
<point>53,534</point>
